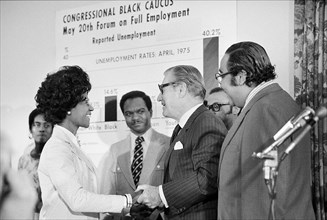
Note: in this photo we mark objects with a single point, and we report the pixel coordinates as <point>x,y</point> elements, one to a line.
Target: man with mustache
<point>41,131</point>
<point>137,159</point>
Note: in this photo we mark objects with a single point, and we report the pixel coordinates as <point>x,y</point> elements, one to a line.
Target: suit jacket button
<point>118,168</point>
<point>158,166</point>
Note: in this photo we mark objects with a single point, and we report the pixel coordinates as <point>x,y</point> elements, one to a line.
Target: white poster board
<point>127,45</point>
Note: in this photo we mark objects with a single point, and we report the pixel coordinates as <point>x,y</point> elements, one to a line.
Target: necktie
<point>175,133</point>
<point>137,163</point>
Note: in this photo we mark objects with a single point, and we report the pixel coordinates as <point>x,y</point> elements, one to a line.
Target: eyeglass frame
<point>219,75</point>
<point>211,107</point>
<point>162,86</point>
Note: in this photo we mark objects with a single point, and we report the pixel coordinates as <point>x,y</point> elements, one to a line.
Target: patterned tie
<point>137,163</point>
<point>175,133</point>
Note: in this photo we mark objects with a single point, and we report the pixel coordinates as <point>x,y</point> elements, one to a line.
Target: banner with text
<point>127,45</point>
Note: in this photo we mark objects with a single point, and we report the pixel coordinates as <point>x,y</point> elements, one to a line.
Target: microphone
<point>307,112</point>
<point>288,129</point>
<point>320,113</point>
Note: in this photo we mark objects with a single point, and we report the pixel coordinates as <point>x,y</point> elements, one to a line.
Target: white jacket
<point>69,183</point>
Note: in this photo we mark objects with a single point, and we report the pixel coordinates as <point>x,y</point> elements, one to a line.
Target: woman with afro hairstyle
<point>67,176</point>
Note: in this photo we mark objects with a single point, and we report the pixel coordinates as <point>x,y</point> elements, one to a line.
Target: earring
<point>69,113</point>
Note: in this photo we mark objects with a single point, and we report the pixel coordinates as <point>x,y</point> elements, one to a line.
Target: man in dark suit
<point>189,190</point>
<point>247,75</point>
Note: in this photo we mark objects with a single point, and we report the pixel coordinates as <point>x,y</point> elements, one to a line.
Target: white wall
<point>271,24</point>
<point>28,51</point>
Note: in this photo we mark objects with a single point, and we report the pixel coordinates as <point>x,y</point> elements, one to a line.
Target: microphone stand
<point>270,169</point>
<point>271,164</point>
<point>270,154</point>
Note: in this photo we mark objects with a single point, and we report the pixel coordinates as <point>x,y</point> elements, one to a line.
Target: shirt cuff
<point>162,197</point>
<point>129,200</point>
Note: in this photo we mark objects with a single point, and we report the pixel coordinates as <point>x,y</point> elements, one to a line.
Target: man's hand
<point>135,195</point>
<point>150,196</point>
<point>140,211</point>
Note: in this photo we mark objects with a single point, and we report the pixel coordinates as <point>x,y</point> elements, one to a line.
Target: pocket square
<point>178,146</point>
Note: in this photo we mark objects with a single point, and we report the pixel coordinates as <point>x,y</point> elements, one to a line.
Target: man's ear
<point>182,89</point>
<point>240,78</point>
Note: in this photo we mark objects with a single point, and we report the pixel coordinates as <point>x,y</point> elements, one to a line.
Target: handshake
<point>138,210</point>
<point>143,202</point>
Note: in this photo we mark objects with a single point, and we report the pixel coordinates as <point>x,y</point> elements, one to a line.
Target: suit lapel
<point>239,120</point>
<point>83,157</point>
<point>75,149</point>
<point>171,161</point>
<point>155,148</point>
<point>124,160</point>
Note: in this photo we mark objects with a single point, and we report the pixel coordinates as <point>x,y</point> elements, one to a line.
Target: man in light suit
<point>115,169</point>
<point>189,190</point>
<point>246,75</point>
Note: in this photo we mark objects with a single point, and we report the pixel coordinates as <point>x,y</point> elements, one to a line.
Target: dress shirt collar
<point>146,136</point>
<point>256,90</point>
<point>187,115</point>
<point>145,144</point>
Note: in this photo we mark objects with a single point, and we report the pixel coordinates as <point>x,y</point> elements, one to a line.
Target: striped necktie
<point>137,163</point>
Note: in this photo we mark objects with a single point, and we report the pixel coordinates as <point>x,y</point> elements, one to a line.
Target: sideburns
<point>233,81</point>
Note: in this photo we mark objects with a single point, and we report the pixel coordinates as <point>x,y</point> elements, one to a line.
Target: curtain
<point>310,87</point>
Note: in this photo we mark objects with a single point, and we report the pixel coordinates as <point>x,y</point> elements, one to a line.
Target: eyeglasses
<point>165,85</point>
<point>215,107</point>
<point>219,76</point>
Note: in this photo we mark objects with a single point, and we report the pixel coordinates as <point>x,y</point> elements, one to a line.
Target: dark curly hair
<point>61,91</point>
<point>253,59</point>
<point>136,94</point>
